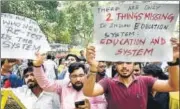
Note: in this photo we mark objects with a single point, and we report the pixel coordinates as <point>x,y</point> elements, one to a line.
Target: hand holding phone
<point>84,104</point>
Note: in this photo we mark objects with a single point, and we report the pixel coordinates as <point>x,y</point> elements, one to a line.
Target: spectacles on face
<point>102,66</point>
<point>76,76</point>
<point>71,59</point>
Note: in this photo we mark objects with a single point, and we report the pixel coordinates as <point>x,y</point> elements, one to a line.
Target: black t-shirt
<point>159,101</point>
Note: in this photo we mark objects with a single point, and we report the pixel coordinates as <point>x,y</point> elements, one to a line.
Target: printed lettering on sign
<point>134,32</point>
<point>21,37</point>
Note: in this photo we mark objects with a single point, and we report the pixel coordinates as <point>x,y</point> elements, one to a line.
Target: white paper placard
<point>21,37</point>
<point>134,32</point>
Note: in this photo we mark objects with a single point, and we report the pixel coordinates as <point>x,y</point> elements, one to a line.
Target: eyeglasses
<point>71,59</point>
<point>102,66</point>
<point>76,76</point>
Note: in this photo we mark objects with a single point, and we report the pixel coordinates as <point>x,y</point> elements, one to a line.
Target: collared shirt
<point>67,94</point>
<point>133,97</point>
<point>45,100</point>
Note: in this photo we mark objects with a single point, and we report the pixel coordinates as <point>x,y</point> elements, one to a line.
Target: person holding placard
<point>127,91</point>
<point>70,92</point>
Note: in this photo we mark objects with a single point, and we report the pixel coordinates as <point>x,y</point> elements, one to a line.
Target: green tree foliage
<point>73,24</point>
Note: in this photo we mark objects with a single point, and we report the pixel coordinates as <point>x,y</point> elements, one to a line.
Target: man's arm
<point>91,88</point>
<point>172,84</point>
<point>47,85</point>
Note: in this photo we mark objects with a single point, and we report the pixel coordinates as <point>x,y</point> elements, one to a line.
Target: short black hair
<point>2,62</point>
<point>75,66</point>
<point>49,56</point>
<point>81,51</point>
<point>30,63</point>
<point>28,69</point>
<point>73,55</point>
<point>53,57</point>
<point>138,63</point>
<point>155,71</point>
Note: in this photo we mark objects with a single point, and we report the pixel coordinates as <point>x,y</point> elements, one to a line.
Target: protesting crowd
<point>84,83</point>
<point>112,73</point>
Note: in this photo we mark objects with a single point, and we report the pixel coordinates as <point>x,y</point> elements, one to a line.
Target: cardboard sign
<point>134,32</point>
<point>21,37</point>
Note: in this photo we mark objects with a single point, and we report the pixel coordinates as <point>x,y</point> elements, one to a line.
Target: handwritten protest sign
<point>21,37</point>
<point>134,32</point>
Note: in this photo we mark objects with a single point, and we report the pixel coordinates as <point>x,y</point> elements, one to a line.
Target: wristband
<point>174,63</point>
<point>36,66</point>
<point>92,72</point>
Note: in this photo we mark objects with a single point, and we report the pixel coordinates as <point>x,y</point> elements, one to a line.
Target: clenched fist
<point>90,56</point>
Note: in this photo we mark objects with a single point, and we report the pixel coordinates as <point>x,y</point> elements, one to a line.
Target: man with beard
<point>101,71</point>
<point>69,92</point>
<point>33,96</point>
<point>127,91</point>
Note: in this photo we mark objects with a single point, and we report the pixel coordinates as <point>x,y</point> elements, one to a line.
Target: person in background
<point>156,100</point>
<point>101,71</point>
<point>109,69</point>
<point>70,58</point>
<point>137,69</point>
<point>62,65</point>
<point>8,79</point>
<point>82,55</point>
<point>114,71</point>
<point>50,68</point>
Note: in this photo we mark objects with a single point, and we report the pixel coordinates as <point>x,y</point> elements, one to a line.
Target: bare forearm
<point>49,86</point>
<point>174,76</point>
<point>89,84</point>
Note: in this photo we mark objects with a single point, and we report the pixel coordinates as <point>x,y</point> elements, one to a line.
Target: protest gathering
<point>90,55</point>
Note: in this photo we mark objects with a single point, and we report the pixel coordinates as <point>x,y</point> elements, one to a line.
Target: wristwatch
<point>174,63</point>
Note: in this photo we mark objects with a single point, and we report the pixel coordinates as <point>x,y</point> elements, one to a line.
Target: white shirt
<point>109,71</point>
<point>46,100</point>
<point>50,67</point>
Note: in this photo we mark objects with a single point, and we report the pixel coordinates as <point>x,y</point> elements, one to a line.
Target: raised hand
<point>175,43</point>
<point>90,56</point>
<point>39,59</point>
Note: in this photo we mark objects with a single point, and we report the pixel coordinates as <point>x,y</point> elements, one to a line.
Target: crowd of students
<point>84,83</point>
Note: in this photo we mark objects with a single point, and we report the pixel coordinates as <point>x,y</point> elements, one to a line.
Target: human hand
<point>39,59</point>
<point>85,106</point>
<point>90,56</point>
<point>175,43</point>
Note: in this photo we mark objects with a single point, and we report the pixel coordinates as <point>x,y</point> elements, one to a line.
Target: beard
<point>32,84</point>
<point>77,87</point>
<point>102,73</point>
<point>124,75</point>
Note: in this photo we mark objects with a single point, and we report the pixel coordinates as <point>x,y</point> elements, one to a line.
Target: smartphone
<point>79,103</point>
